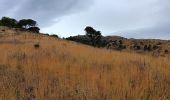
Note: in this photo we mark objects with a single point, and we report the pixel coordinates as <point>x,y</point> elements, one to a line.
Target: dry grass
<point>62,70</point>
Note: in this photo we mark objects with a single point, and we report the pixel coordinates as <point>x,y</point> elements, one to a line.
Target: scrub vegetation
<point>42,67</point>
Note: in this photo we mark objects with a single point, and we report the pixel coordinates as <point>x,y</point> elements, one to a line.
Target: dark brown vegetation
<point>36,45</point>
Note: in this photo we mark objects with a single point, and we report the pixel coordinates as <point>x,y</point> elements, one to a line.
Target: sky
<point>128,18</point>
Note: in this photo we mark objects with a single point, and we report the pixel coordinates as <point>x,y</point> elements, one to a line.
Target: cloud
<point>131,18</point>
<point>161,31</point>
<point>145,18</point>
<point>44,11</point>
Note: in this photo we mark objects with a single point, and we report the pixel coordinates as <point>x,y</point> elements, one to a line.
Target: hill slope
<point>154,47</point>
<point>63,70</point>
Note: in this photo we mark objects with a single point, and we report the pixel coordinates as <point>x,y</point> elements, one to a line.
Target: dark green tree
<point>27,23</point>
<point>34,29</point>
<point>9,22</point>
<point>145,48</point>
<point>94,35</point>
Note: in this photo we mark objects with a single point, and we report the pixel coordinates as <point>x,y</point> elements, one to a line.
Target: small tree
<point>120,42</point>
<point>34,29</point>
<point>166,51</point>
<point>150,47</point>
<point>145,48</point>
<point>94,35</point>
<point>9,22</point>
<point>27,23</point>
<point>0,23</point>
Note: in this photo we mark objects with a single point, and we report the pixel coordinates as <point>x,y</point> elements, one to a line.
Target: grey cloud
<point>129,18</point>
<point>132,18</point>
<point>155,32</point>
<point>142,19</point>
<point>44,11</point>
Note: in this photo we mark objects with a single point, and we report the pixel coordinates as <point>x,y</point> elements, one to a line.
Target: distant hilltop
<point>25,24</point>
<point>95,38</point>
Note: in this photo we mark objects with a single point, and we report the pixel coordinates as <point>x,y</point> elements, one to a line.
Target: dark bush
<point>81,39</point>
<point>95,36</point>
<point>26,23</point>
<point>137,47</point>
<point>120,42</point>
<point>34,29</point>
<point>54,35</point>
<point>155,47</point>
<point>3,30</point>
<point>9,22</point>
<point>166,51</point>
<point>37,45</point>
<point>46,34</point>
<point>141,43</point>
<point>159,43</point>
<point>149,48</point>
<point>115,43</point>
<point>121,47</point>
<point>145,48</point>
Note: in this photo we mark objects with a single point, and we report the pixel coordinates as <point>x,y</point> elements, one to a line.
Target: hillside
<point>40,67</point>
<point>154,47</point>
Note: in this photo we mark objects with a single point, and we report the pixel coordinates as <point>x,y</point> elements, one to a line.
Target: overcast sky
<point>129,18</point>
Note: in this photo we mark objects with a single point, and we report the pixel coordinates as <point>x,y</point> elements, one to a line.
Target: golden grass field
<point>63,70</point>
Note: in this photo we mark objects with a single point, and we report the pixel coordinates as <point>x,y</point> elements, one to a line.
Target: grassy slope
<point>62,70</point>
<point>158,47</point>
